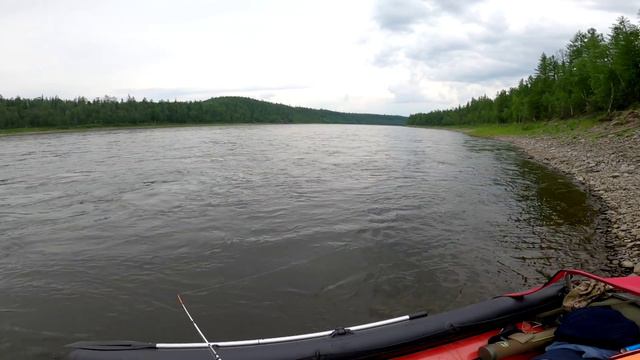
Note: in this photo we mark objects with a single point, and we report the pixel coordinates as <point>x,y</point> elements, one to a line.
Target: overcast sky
<point>385,56</point>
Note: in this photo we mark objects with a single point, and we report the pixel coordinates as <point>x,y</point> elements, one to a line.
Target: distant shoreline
<point>54,113</point>
<point>54,130</point>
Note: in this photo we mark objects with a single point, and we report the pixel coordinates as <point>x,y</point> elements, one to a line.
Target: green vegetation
<point>593,74</point>
<point>550,128</point>
<point>54,113</point>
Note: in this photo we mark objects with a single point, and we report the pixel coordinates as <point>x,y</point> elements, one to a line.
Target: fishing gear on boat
<point>213,352</point>
<point>467,333</point>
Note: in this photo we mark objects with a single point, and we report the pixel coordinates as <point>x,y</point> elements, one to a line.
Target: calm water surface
<point>267,230</point>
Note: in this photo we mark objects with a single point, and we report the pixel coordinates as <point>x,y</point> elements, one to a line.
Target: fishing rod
<point>209,345</point>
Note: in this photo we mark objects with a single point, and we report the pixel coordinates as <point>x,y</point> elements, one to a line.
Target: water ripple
<point>269,230</point>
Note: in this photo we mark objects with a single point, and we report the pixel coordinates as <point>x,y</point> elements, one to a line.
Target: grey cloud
<point>434,50</point>
<point>476,68</point>
<point>485,55</point>
<point>402,15</point>
<point>486,49</point>
<point>455,6</point>
<point>622,7</point>
<point>484,52</point>
<point>387,57</point>
<point>407,94</point>
<point>399,15</point>
<point>488,54</point>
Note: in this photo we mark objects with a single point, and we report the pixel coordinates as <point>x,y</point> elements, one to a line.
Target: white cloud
<point>390,56</point>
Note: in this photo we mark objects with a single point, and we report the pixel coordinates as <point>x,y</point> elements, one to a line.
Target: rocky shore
<point>605,161</point>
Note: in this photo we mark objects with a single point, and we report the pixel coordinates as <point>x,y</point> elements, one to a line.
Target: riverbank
<point>603,157</point>
<point>54,130</point>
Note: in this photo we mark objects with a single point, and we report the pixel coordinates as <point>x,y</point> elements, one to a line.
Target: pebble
<point>627,168</point>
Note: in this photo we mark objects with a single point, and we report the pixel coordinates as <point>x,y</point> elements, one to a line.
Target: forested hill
<point>107,111</point>
<point>594,73</point>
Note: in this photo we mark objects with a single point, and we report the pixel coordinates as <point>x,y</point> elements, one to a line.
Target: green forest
<point>593,74</point>
<point>43,112</point>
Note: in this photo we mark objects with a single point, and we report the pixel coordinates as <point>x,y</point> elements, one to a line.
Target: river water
<point>267,230</point>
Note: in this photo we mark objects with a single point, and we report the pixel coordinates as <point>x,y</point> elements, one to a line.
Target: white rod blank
<point>206,342</point>
<point>276,339</point>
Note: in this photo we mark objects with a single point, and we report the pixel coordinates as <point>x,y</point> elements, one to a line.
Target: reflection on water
<point>267,230</point>
<point>558,202</point>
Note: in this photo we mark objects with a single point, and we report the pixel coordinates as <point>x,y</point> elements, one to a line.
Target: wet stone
<point>627,264</point>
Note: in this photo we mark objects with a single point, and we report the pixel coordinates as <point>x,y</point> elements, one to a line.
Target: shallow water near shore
<point>267,230</point>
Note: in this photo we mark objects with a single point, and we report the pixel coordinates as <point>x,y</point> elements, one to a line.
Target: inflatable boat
<point>456,334</point>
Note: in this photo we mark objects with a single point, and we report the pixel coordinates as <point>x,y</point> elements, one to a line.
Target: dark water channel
<point>267,230</point>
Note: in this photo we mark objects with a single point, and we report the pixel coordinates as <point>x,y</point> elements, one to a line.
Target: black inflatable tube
<point>375,343</point>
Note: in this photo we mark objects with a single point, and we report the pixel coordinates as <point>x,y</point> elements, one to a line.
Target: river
<point>267,230</point>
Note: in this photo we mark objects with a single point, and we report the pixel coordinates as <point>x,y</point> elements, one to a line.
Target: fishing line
<point>202,290</point>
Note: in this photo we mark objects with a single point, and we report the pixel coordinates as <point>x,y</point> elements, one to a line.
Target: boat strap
<point>504,334</point>
<point>340,332</point>
<point>630,284</point>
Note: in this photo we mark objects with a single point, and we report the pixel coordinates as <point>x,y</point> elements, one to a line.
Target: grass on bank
<point>582,126</point>
<point>548,128</point>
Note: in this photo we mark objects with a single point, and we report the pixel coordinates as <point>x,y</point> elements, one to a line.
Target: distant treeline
<point>594,73</point>
<point>109,111</point>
